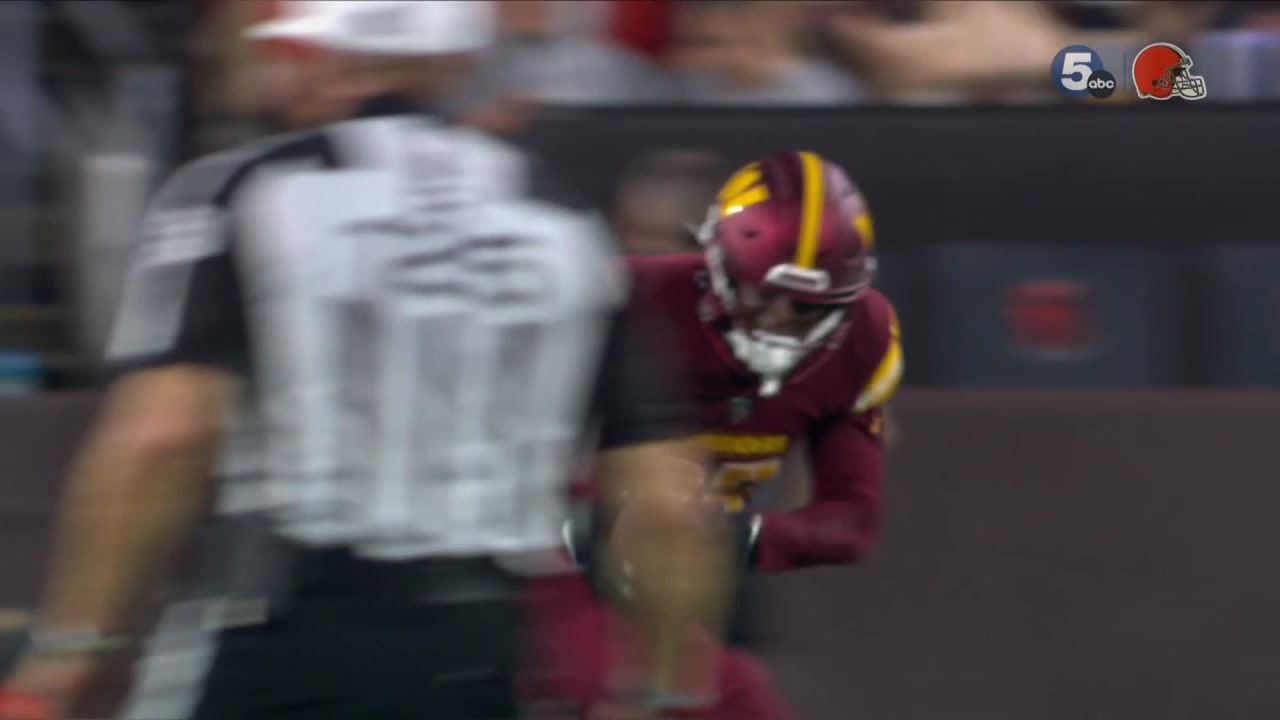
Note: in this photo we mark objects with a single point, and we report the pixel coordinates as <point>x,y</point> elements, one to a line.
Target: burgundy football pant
<point>573,645</point>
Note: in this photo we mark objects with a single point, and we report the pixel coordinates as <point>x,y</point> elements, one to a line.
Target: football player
<point>782,341</point>
<point>785,341</point>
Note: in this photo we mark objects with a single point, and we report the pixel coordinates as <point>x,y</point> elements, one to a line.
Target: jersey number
<point>735,482</point>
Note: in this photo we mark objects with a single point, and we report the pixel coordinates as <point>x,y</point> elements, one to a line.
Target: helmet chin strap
<point>772,356</point>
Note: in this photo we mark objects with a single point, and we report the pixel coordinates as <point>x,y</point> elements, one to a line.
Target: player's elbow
<point>852,537</point>
<point>165,413</point>
<point>844,554</point>
<point>165,435</point>
<point>827,548</point>
<point>846,549</point>
<point>868,538</point>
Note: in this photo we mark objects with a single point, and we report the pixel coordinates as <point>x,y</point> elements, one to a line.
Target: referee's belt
<point>338,573</point>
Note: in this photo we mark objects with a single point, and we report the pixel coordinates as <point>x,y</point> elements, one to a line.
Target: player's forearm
<point>679,568</point>
<point>822,533</point>
<point>843,522</point>
<point>124,514</point>
<point>134,493</point>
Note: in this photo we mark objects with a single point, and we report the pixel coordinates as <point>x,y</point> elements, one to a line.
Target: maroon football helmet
<point>793,225</point>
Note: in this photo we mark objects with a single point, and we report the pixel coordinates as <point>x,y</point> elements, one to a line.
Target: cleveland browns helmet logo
<point>1162,71</point>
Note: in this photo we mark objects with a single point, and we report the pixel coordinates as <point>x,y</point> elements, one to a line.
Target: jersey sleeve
<point>182,300</point>
<point>843,521</point>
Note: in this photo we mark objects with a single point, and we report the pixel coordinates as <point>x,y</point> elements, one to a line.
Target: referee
<point>426,339</point>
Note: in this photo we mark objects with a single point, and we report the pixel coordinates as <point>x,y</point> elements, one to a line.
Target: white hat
<point>385,27</point>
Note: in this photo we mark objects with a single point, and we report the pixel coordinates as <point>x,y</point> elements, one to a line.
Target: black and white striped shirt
<point>427,336</point>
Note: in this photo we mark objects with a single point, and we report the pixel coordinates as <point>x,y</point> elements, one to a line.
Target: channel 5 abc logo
<point>1077,72</point>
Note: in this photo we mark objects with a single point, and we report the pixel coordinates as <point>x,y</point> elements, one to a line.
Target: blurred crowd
<point>726,53</point>
<point>788,53</point>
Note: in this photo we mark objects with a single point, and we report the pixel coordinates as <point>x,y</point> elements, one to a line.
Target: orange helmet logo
<point>1162,71</point>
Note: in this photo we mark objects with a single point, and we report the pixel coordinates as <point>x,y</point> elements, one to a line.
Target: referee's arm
<point>650,472</point>
<point>141,480</point>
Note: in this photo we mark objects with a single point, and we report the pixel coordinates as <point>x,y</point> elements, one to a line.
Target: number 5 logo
<point>1072,68</point>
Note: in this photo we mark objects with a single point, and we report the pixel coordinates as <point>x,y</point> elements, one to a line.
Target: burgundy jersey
<point>832,401</point>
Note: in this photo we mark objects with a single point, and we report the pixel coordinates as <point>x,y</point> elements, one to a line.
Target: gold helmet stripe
<point>811,209</point>
<point>866,230</point>
<point>742,190</point>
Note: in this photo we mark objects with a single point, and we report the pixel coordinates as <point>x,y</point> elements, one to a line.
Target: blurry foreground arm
<point>134,493</point>
<point>142,479</point>
<point>651,477</point>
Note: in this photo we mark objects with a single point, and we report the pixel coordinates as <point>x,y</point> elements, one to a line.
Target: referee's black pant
<point>431,640</point>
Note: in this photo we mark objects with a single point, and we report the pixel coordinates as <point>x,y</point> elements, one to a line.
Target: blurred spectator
<point>994,51</point>
<point>1263,16</point>
<point>20,102</point>
<point>950,51</point>
<point>1125,14</point>
<point>745,53</point>
<point>1173,22</point>
<point>642,25</point>
<point>23,128</point>
<point>661,196</point>
<point>241,88</point>
<point>555,52</point>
